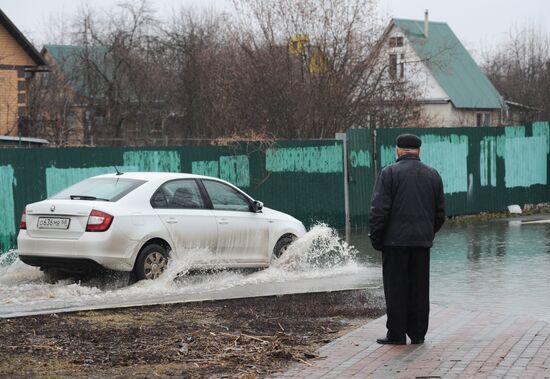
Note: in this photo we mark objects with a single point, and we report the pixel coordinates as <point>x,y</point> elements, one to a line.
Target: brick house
<point>19,60</point>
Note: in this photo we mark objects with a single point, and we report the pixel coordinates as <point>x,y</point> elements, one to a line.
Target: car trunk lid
<point>58,219</point>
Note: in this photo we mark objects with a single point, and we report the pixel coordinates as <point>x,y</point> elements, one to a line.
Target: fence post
<point>343,138</point>
<point>375,153</point>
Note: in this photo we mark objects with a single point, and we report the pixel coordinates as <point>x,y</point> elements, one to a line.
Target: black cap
<point>408,141</point>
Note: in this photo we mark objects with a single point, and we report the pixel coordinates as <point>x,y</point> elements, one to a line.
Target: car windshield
<point>100,189</point>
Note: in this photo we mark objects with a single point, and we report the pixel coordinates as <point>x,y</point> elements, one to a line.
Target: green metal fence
<point>361,168</point>
<point>303,178</point>
<point>483,169</point>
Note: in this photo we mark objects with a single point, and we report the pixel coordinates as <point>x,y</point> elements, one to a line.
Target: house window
<point>479,119</point>
<point>402,66</point>
<point>483,119</point>
<point>393,66</point>
<point>396,41</point>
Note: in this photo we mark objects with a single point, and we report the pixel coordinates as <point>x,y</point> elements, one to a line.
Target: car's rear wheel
<point>282,245</point>
<point>151,262</point>
<point>53,275</point>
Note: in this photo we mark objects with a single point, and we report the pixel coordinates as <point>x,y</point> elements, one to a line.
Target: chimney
<point>426,24</point>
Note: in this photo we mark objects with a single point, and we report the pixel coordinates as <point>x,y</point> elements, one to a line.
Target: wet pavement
<point>489,288</point>
<point>501,265</point>
<point>318,262</point>
<point>460,344</point>
<point>491,317</point>
<point>78,298</point>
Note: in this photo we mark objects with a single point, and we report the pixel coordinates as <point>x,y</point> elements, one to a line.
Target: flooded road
<point>498,265</point>
<point>317,262</point>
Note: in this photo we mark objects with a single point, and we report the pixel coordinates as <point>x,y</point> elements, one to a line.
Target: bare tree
<point>124,34</point>
<point>193,45</point>
<point>53,110</point>
<point>287,69</point>
<point>346,88</point>
<point>520,70</point>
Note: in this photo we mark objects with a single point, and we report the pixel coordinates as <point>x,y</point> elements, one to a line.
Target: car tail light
<point>23,224</point>
<point>98,221</point>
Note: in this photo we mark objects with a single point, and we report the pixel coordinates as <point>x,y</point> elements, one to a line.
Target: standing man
<point>408,208</point>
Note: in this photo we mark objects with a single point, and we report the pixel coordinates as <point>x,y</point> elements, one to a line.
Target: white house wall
<point>446,115</point>
<point>438,109</point>
<point>416,70</point>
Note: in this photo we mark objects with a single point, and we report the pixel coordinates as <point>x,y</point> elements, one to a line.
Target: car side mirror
<point>257,206</point>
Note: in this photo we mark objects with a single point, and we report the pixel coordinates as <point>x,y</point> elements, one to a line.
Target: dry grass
<point>235,338</point>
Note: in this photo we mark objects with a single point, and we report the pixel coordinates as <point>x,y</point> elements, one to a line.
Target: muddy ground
<point>226,339</point>
<point>528,210</point>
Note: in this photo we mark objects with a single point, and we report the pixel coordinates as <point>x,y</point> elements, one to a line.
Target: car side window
<point>226,198</point>
<point>178,194</point>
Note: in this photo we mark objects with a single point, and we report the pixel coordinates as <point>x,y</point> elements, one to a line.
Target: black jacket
<point>408,205</point>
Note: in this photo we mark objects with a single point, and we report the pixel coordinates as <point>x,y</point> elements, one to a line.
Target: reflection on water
<point>496,265</point>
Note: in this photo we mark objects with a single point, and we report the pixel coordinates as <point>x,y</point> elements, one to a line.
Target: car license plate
<point>53,223</point>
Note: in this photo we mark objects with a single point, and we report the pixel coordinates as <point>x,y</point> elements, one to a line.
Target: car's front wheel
<point>151,262</point>
<point>282,245</point>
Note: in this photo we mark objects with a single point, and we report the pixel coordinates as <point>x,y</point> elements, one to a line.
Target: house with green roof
<point>77,63</point>
<point>453,90</point>
<point>75,88</point>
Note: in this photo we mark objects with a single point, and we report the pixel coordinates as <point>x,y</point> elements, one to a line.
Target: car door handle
<point>171,221</point>
<point>223,221</point>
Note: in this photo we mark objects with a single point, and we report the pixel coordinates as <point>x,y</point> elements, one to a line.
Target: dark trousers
<point>406,272</point>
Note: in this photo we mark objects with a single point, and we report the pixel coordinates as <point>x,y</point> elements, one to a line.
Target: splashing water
<point>7,258</point>
<point>306,264</point>
<point>320,248</point>
<point>13,271</point>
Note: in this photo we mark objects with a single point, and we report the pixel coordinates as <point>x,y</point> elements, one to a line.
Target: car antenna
<point>118,172</point>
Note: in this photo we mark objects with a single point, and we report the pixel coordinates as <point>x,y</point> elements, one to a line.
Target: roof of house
<point>25,141</point>
<point>72,61</point>
<point>21,40</point>
<point>451,65</point>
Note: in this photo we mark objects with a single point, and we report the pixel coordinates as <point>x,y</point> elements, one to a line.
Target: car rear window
<point>100,189</point>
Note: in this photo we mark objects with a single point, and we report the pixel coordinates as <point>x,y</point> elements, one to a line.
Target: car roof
<point>153,176</point>
<point>160,177</point>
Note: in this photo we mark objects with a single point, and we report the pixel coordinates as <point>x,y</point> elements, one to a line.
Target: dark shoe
<point>387,341</point>
<point>417,342</point>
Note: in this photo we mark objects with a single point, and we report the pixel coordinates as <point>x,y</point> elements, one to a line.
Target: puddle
<point>498,266</point>
<point>319,261</point>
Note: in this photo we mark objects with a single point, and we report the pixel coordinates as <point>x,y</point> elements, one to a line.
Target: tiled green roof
<point>72,60</point>
<point>450,63</point>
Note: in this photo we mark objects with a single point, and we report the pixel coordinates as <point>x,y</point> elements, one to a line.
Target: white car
<point>131,221</point>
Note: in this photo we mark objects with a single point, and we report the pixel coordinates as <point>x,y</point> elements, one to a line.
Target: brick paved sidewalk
<point>459,344</point>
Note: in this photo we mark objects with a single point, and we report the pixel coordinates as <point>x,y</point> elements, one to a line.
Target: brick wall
<point>8,102</point>
<point>13,86</point>
<point>11,53</point>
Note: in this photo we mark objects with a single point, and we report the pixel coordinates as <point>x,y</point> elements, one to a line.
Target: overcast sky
<point>479,24</point>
